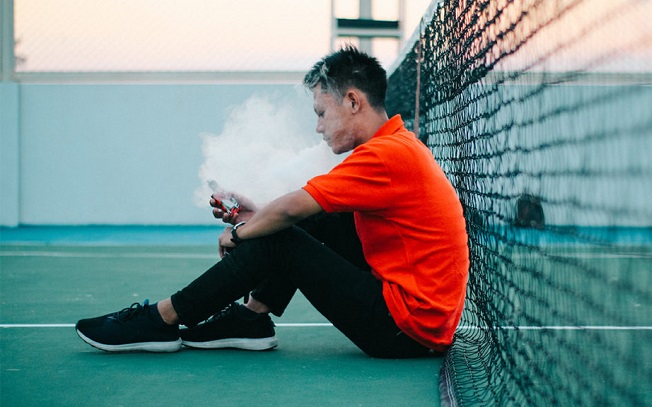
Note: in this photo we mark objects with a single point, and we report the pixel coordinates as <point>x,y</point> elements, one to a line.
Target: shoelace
<point>128,313</point>
<point>228,310</point>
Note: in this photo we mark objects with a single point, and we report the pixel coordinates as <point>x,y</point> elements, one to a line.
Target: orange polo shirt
<point>409,220</point>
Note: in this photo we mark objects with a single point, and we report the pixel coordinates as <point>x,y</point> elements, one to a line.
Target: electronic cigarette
<point>228,205</point>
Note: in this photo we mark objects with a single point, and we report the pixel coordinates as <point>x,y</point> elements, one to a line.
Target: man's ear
<point>353,99</point>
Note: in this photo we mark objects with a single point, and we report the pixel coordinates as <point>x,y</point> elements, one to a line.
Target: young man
<point>378,245</point>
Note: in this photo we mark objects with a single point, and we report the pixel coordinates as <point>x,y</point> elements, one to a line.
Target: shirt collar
<point>391,126</point>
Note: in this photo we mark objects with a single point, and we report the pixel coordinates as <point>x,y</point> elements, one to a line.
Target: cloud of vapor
<point>268,147</point>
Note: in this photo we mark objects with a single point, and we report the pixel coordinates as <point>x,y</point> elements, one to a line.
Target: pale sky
<point>290,35</point>
<point>595,35</point>
<point>188,35</point>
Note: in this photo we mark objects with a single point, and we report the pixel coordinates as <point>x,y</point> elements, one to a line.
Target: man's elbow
<point>300,206</point>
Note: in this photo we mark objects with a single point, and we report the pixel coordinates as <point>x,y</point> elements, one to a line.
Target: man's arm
<point>280,214</point>
<point>277,215</point>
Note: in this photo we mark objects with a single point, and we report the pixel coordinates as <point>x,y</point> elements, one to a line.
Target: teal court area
<point>51,277</point>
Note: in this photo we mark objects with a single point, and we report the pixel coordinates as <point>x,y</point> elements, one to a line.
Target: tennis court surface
<point>51,277</point>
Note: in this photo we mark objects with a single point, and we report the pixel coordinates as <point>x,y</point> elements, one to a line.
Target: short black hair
<point>346,68</point>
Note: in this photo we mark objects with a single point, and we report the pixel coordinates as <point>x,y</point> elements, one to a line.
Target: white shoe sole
<point>237,343</point>
<point>169,346</point>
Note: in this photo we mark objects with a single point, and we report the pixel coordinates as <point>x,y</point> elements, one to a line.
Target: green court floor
<point>46,288</point>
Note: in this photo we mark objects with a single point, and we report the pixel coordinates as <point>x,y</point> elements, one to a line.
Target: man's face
<point>334,121</point>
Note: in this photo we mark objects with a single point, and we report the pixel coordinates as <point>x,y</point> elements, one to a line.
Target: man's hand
<point>279,214</point>
<point>247,208</point>
<point>225,243</point>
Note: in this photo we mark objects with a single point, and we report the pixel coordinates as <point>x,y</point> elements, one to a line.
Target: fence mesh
<point>539,112</point>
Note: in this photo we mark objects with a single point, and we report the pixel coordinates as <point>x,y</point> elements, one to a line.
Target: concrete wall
<point>130,153</point>
<point>9,153</point>
<point>111,153</point>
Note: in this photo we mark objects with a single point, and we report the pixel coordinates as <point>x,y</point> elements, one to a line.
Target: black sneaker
<point>137,328</point>
<point>234,327</point>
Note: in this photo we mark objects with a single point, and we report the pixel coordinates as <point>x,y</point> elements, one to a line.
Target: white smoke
<point>266,149</point>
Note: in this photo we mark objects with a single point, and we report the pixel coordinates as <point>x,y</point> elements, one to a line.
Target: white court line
<point>611,256</point>
<point>561,328</point>
<point>462,328</point>
<point>290,325</point>
<point>215,256</point>
<point>37,325</point>
<point>109,255</point>
<point>636,255</point>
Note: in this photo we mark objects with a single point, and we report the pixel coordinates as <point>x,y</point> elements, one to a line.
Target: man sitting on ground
<point>378,245</point>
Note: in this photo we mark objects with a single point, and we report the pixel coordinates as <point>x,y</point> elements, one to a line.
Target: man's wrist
<point>234,233</point>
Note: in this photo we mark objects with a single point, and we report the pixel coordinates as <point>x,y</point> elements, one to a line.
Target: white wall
<point>112,153</point>
<point>9,153</point>
<point>129,154</point>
